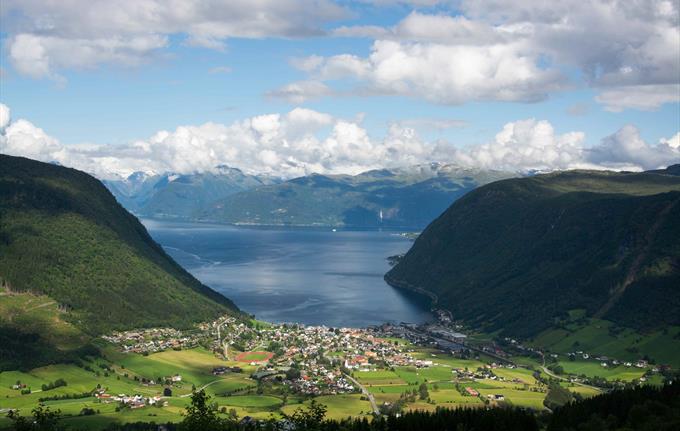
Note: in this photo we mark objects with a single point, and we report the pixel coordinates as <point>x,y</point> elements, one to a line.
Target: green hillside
<point>517,254</point>
<point>64,236</point>
<point>407,198</point>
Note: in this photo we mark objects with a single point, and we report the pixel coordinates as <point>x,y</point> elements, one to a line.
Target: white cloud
<point>303,141</point>
<point>673,142</point>
<point>449,74</point>
<point>526,145</point>
<point>45,37</point>
<point>626,147</point>
<point>513,51</point>
<point>40,56</point>
<point>4,116</point>
<point>642,97</point>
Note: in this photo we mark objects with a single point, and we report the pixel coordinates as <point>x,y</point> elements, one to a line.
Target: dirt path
<point>201,388</point>
<point>40,305</point>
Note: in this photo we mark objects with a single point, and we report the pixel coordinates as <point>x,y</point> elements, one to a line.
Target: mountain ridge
<point>516,254</point>
<point>64,235</point>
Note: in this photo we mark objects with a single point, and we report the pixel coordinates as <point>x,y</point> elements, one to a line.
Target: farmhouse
<point>471,392</point>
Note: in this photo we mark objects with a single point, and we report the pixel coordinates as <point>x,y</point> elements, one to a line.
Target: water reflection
<point>296,275</point>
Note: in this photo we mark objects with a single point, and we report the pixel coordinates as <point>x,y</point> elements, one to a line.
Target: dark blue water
<point>293,275</point>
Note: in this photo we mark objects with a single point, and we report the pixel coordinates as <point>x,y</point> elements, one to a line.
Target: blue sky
<point>129,94</point>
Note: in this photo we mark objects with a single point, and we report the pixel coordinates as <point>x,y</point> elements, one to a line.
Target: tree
<point>43,420</point>
<point>233,415</point>
<point>293,373</point>
<point>422,390</point>
<point>309,419</point>
<point>167,392</point>
<point>200,414</point>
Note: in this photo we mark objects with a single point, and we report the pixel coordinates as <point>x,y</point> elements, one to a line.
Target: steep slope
<point>63,235</point>
<point>517,254</point>
<point>406,198</point>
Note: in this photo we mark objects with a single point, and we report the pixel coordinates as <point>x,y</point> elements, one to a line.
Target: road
<point>201,388</point>
<point>369,395</point>
<point>553,375</point>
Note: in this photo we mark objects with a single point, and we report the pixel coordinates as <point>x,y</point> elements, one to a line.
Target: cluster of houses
<point>485,372</point>
<point>131,401</point>
<point>152,340</point>
<point>219,371</point>
<point>607,362</point>
<point>19,386</point>
<point>320,381</point>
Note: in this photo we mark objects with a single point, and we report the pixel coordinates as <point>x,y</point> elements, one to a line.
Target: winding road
<point>369,395</point>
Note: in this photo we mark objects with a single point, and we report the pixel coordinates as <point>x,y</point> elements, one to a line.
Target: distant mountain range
<point>63,236</point>
<point>405,198</point>
<point>518,254</point>
<point>171,195</point>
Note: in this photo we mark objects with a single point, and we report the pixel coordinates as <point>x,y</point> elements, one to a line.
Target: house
<point>176,378</point>
<point>641,363</point>
<point>472,392</point>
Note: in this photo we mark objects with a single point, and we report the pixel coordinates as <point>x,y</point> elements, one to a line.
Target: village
<point>323,361</point>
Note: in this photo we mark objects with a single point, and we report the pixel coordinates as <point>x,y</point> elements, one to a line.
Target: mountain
<point>181,196</point>
<point>517,255</point>
<point>64,238</point>
<point>405,198</point>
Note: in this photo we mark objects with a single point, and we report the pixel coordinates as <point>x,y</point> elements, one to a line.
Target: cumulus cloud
<point>673,142</point>
<point>4,116</point>
<point>514,51</point>
<point>626,147</point>
<point>449,74</point>
<point>304,141</point>
<point>526,145</point>
<point>45,37</point>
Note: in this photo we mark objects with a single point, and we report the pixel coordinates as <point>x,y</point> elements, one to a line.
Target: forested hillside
<point>63,235</point>
<point>517,254</point>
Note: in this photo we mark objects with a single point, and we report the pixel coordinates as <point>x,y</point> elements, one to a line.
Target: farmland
<point>277,369</point>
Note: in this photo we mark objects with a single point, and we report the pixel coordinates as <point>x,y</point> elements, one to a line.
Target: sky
<point>291,87</point>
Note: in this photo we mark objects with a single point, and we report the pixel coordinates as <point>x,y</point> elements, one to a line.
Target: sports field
<point>254,356</point>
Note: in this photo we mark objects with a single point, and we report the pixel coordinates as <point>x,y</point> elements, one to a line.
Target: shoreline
<point>299,226</point>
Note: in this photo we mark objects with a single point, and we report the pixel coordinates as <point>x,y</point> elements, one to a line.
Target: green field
<point>339,406</point>
<point>251,401</point>
<point>194,366</point>
<point>601,337</point>
<point>378,378</point>
<point>39,314</point>
<point>519,398</point>
<point>236,391</point>
<point>592,369</point>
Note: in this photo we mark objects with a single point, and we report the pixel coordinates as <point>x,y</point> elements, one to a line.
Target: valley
<point>259,370</point>
<point>110,323</point>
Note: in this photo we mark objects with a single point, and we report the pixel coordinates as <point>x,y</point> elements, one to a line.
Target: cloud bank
<point>505,50</point>
<point>444,52</point>
<point>304,141</point>
<point>48,36</point>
